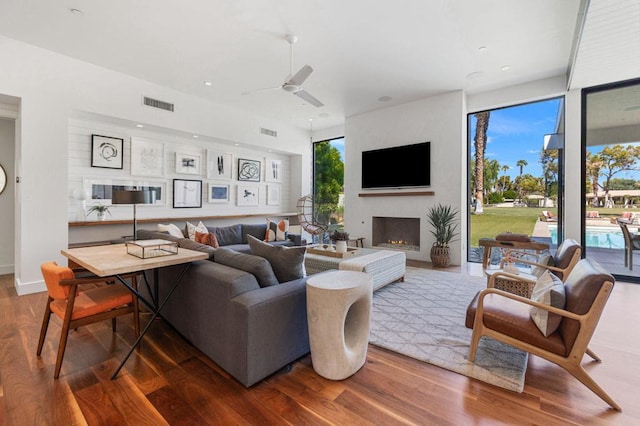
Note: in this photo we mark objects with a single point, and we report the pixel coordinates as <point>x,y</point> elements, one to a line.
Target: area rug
<point>423,318</point>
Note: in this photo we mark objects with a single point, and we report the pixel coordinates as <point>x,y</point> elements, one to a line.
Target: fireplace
<point>402,233</point>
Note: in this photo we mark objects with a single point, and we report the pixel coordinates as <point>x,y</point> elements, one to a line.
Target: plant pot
<point>341,246</point>
<point>102,216</point>
<point>440,256</point>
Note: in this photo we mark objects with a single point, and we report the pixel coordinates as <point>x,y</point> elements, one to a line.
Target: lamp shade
<point>131,197</point>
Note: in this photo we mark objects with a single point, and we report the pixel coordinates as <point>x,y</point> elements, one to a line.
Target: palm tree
<point>521,164</point>
<point>480,143</point>
<point>504,177</point>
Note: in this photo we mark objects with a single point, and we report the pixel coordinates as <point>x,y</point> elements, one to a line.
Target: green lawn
<point>494,220</point>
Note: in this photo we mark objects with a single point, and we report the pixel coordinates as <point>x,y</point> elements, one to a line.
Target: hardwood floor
<point>167,381</point>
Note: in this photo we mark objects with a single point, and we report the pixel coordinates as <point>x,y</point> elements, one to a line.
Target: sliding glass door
<point>611,167</point>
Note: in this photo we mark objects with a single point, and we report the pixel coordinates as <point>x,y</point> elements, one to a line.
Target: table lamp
<point>135,197</point>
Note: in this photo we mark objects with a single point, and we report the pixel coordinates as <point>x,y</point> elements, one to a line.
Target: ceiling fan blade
<point>303,94</point>
<point>300,76</point>
<point>261,90</point>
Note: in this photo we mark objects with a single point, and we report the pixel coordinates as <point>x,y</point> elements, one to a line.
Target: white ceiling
<point>360,50</point>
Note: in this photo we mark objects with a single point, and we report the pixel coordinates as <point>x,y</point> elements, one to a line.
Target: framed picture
<point>218,193</point>
<point>248,170</point>
<point>106,152</point>
<point>147,158</point>
<point>189,164</point>
<point>219,165</point>
<point>273,195</point>
<point>248,195</point>
<point>98,191</point>
<point>187,193</point>
<point>273,171</point>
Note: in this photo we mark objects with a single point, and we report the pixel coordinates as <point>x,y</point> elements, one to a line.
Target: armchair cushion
<point>549,290</point>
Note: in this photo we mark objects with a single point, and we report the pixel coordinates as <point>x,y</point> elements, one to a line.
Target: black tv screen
<point>399,166</point>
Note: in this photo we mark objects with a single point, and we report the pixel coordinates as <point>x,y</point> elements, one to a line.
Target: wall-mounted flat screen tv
<point>397,167</point>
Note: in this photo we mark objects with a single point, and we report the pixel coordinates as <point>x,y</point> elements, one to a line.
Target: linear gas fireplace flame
<point>399,233</point>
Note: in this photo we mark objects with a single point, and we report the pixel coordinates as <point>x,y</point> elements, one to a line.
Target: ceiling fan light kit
<point>293,83</point>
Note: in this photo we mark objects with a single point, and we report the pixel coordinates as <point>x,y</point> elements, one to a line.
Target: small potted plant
<point>100,210</point>
<point>340,238</point>
<point>443,219</point>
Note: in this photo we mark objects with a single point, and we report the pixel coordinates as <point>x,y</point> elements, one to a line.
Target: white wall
<point>50,87</point>
<point>435,119</point>
<point>7,205</point>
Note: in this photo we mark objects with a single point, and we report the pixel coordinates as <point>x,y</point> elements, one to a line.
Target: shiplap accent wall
<point>81,129</point>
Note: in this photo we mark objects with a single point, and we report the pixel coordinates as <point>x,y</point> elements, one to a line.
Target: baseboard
<point>29,288</point>
<point>6,269</point>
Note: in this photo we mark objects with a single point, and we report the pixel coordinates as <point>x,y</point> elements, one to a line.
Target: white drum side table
<point>339,316</point>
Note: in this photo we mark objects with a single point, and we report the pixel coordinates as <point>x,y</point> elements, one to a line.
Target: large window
<point>328,182</point>
<point>515,180</point>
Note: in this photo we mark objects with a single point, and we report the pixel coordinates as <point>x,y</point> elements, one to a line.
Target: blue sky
<point>339,145</point>
<point>516,133</point>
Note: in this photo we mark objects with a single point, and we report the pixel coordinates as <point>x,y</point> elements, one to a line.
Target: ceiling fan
<point>293,83</point>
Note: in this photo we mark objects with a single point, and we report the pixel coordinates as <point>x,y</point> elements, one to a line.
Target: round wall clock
<point>3,179</point>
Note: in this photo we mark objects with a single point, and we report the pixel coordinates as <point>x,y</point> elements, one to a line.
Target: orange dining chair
<point>77,307</point>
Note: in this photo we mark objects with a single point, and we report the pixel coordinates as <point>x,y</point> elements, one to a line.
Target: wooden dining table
<point>114,260</point>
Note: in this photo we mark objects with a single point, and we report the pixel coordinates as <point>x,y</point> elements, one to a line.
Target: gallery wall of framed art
<point>232,179</point>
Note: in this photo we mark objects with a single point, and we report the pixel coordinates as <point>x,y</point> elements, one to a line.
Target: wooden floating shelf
<point>173,219</point>
<point>397,194</point>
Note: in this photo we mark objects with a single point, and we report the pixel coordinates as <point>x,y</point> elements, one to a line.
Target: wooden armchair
<point>77,307</point>
<point>560,263</point>
<point>506,317</point>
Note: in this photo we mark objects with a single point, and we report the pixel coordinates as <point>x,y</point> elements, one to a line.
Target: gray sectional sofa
<point>233,309</point>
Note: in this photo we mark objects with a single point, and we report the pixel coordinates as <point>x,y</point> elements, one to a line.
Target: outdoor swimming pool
<point>596,236</point>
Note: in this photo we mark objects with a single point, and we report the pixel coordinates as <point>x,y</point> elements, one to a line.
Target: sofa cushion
<point>548,290</point>
<point>228,234</point>
<point>207,238</point>
<point>172,229</point>
<point>190,229</point>
<point>258,230</point>
<point>256,265</point>
<point>287,262</point>
<point>276,230</point>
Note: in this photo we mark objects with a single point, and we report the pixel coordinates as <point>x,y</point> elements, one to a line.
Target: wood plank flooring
<point>167,381</point>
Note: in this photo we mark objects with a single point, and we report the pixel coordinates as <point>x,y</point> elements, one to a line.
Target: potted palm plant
<point>100,210</point>
<point>443,218</point>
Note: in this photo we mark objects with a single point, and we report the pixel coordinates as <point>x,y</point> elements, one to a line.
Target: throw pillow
<point>256,265</point>
<point>287,262</point>
<point>191,230</point>
<point>172,229</point>
<point>545,259</point>
<point>549,290</point>
<point>277,231</point>
<point>207,238</point>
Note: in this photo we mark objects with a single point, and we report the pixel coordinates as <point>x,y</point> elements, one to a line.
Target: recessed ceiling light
<point>384,98</point>
<point>76,12</point>
<point>139,125</point>
<point>208,83</point>
<point>474,75</point>
<point>195,136</point>
<point>505,67</point>
<point>236,144</point>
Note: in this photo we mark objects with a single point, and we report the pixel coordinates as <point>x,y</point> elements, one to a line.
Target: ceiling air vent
<point>268,132</point>
<point>158,104</point>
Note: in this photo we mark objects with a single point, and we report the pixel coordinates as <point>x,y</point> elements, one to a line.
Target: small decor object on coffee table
<point>340,238</point>
<point>145,249</point>
<point>323,250</point>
